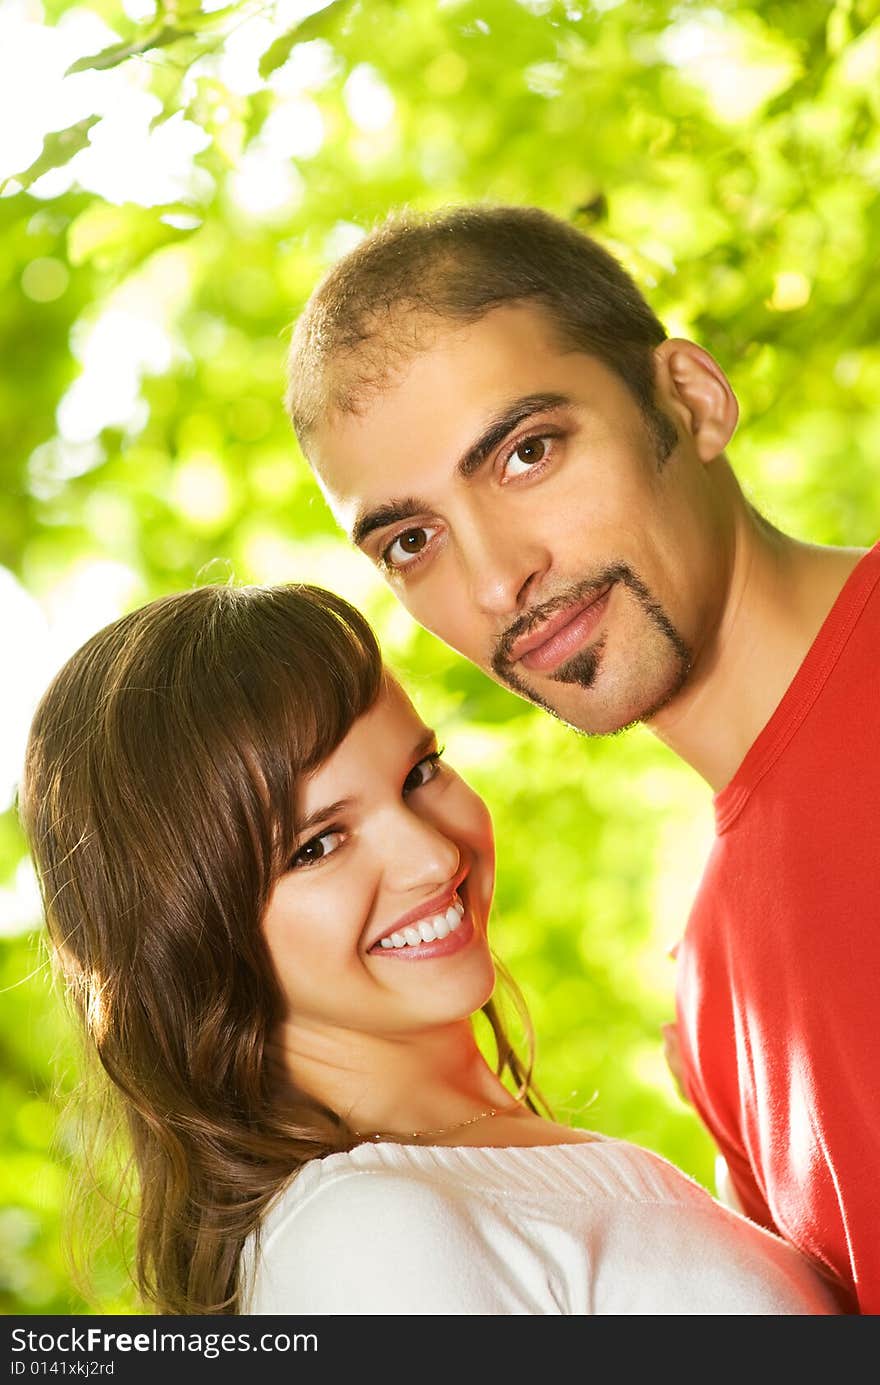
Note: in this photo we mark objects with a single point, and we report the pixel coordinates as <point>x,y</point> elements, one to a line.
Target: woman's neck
<point>395,1084</point>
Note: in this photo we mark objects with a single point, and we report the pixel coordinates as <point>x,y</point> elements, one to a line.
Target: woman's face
<point>379,925</point>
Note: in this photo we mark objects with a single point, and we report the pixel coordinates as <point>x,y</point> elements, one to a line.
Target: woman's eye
<point>316,849</point>
<point>423,772</point>
<point>527,454</point>
<point>408,546</point>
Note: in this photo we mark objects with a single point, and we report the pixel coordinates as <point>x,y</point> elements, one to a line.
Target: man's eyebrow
<point>390,513</point>
<point>504,422</point>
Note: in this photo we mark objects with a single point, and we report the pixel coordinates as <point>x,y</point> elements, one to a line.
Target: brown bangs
<point>298,666</point>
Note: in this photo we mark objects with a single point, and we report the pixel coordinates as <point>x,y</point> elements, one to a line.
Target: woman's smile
<point>435,935</point>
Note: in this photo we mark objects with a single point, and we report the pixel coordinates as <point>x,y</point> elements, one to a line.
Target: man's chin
<point>589,713</point>
<point>609,723</point>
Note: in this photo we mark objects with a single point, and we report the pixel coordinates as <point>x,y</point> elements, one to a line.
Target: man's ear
<point>695,387</point>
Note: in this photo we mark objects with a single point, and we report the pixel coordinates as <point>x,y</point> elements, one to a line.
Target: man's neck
<point>779,595</point>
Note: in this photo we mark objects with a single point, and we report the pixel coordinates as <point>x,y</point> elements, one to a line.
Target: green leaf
<point>314,26</point>
<point>118,52</point>
<point>58,148</point>
<point>120,237</point>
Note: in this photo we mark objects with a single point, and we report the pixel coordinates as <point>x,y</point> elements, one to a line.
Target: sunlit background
<point>173,181</point>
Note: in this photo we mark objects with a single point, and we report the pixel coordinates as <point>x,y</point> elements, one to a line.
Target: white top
<point>600,1227</point>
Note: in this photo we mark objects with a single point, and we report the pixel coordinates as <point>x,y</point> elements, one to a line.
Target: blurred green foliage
<point>727,152</point>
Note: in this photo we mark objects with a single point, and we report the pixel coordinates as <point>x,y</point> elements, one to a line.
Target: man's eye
<point>423,772</point>
<point>408,546</point>
<point>526,455</point>
<point>316,849</point>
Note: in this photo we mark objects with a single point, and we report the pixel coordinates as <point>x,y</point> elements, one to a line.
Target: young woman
<point>270,898</point>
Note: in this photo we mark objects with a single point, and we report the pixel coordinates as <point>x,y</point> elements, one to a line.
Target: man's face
<point>515,497</point>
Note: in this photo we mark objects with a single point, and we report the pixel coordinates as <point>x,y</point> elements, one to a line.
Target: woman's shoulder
<point>373,1232</point>
<point>596,1226</point>
<point>382,1172</point>
<point>596,1169</point>
<point>414,1201</point>
<point>366,1181</point>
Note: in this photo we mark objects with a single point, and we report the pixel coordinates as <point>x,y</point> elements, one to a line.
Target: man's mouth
<point>561,635</point>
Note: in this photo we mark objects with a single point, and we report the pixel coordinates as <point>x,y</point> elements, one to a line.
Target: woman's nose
<point>420,855</point>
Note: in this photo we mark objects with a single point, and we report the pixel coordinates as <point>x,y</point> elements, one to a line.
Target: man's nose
<point>503,564</point>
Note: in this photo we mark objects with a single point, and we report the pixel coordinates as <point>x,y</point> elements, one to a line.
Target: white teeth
<point>427,930</point>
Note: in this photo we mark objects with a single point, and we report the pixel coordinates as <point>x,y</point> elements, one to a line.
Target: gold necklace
<point>378,1135</point>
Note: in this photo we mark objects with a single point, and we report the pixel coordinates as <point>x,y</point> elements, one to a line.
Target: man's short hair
<point>371,312</point>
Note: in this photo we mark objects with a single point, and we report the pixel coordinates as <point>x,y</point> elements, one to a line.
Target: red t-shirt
<point>778,988</point>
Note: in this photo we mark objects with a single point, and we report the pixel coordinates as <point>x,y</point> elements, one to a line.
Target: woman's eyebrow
<point>329,810</point>
<point>511,416</point>
<point>422,746</point>
<point>343,805</point>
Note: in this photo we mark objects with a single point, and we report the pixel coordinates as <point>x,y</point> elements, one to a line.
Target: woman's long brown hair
<point>158,799</point>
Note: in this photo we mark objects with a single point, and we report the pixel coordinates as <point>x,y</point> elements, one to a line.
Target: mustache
<point>580,591</point>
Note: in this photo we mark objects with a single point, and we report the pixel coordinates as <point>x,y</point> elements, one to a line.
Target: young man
<point>498,419</point>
